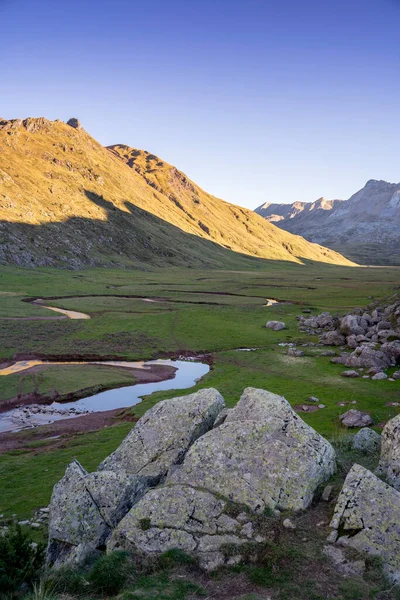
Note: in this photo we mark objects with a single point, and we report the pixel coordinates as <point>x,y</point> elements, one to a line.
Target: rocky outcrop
<point>85,507</point>
<point>263,455</point>
<point>367,517</point>
<point>75,123</point>
<point>163,435</point>
<point>260,454</point>
<point>389,464</point>
<point>196,521</point>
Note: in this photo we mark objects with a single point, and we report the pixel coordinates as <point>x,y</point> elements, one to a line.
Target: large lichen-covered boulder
<point>367,518</point>
<point>389,463</point>
<point>85,507</point>
<point>263,455</point>
<point>193,520</point>
<point>163,435</point>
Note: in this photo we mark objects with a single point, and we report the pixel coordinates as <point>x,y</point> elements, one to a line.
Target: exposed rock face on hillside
<point>366,228</point>
<point>303,212</point>
<point>67,201</point>
<point>177,487</point>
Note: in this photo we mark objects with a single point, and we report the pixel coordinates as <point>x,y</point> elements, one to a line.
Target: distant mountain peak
<point>366,227</point>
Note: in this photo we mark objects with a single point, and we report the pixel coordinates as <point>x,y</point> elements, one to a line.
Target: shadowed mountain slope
<point>67,201</point>
<point>365,228</point>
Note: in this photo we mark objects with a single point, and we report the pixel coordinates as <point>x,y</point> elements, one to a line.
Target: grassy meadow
<point>213,312</point>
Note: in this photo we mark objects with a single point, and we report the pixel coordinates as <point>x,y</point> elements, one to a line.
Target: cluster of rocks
<point>175,479</point>
<point>373,336</point>
<point>367,513</point>
<point>195,475</point>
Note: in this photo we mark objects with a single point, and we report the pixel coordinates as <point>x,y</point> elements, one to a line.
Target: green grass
<point>163,587</point>
<point>64,379</point>
<point>190,319</point>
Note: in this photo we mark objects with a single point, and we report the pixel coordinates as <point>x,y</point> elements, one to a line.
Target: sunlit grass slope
<point>65,200</point>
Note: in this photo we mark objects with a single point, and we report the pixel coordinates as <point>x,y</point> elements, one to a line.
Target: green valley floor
<point>220,317</point>
<point>212,313</point>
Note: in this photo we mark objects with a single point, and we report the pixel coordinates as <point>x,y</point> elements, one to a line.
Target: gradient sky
<point>256,100</point>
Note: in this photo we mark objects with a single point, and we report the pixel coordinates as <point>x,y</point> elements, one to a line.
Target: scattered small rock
<point>346,567</point>
<point>379,376</point>
<point>275,325</point>
<point>356,418</point>
<point>327,493</point>
<point>350,373</point>
<point>288,524</point>
<point>295,352</point>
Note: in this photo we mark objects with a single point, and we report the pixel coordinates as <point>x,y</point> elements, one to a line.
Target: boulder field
<point>367,512</point>
<point>373,335</point>
<point>176,477</point>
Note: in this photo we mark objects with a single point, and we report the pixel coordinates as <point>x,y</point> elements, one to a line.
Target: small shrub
<point>163,587</point>
<point>41,591</point>
<point>352,589</point>
<point>19,560</point>
<point>263,576</point>
<point>174,557</point>
<point>110,573</point>
<point>67,580</point>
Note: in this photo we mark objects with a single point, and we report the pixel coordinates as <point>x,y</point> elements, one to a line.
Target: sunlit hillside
<point>66,200</point>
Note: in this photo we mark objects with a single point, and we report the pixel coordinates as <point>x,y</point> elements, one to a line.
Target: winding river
<point>187,374</point>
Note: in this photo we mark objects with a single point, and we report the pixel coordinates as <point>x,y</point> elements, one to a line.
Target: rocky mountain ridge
<point>65,200</point>
<point>366,227</point>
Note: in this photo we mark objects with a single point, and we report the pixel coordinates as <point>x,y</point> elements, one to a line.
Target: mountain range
<point>365,228</point>
<point>68,201</point>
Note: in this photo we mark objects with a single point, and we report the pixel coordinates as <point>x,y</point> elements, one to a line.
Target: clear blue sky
<point>256,100</point>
